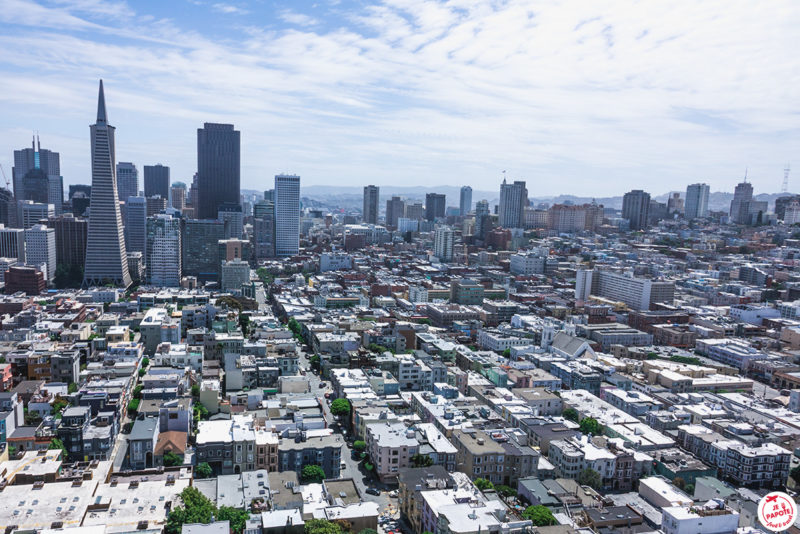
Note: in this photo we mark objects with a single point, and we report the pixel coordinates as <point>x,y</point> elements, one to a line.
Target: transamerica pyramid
<point>106,258</point>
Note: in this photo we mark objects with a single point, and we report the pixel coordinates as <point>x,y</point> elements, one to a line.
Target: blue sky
<point>576,97</point>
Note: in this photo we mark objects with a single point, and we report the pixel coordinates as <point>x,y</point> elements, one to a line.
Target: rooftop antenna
<point>745,175</point>
<point>785,186</point>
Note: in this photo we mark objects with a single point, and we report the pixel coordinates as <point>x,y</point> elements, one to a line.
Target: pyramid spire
<point>101,105</point>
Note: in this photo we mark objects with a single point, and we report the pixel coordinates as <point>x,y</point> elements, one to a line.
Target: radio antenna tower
<point>785,186</point>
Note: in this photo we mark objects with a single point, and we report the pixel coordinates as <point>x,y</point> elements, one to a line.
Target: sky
<point>575,97</point>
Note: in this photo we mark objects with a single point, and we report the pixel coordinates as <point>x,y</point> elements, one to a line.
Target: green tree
<point>340,407</point>
<point>590,477</point>
<point>483,484</point>
<point>313,474</point>
<point>72,387</point>
<point>142,372</point>
<point>359,445</point>
<point>314,361</point>
<point>507,353</point>
<point>200,412</point>
<point>570,414</point>
<point>171,459</point>
<point>137,391</point>
<point>590,425</point>
<point>196,509</point>
<point>133,407</point>
<point>33,418</point>
<point>195,390</point>
<point>539,515</point>
<point>321,526</point>
<point>237,517</point>
<point>505,491</point>
<point>421,460</point>
<point>368,531</point>
<point>57,444</point>
<point>145,362</point>
<point>203,470</point>
<point>59,403</point>
<point>679,483</point>
<point>244,324</point>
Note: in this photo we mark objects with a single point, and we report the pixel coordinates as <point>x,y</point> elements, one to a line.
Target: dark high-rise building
<point>434,206</point>
<point>742,195</point>
<point>156,181</point>
<point>136,226</point>
<point>33,158</point>
<point>70,234</point>
<point>156,205</point>
<point>636,208</point>
<point>395,208</point>
<point>511,209</point>
<point>483,219</point>
<point>26,279</point>
<point>371,199</point>
<point>218,167</point>
<point>465,204</point>
<point>127,180</point>
<point>201,248</point>
<point>8,207</point>
<point>106,258</point>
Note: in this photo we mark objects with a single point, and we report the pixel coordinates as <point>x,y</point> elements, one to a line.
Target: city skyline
<point>625,100</point>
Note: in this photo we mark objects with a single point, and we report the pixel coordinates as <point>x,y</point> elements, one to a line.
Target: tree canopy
<point>483,484</point>
<point>313,474</point>
<point>421,460</point>
<point>571,414</point>
<point>539,515</point>
<point>322,526</point>
<point>203,470</point>
<point>590,477</point>
<point>340,407</point>
<point>590,425</point>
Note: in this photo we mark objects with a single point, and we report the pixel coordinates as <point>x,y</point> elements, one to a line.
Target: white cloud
<point>574,96</point>
<point>229,9</point>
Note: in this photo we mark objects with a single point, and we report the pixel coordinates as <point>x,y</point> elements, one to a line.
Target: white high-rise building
<point>40,249</point>
<point>287,214</point>
<point>164,250</point>
<point>106,256</point>
<point>443,243</point>
<point>12,243</point>
<point>696,204</point>
<point>136,225</point>
<point>235,273</point>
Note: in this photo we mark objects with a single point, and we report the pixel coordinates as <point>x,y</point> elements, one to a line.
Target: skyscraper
<point>178,195</point>
<point>218,166</point>
<point>136,225</point>
<point>742,195</point>
<point>466,200</point>
<point>636,208</point>
<point>287,214</point>
<point>434,206</point>
<point>33,158</point>
<point>201,248</point>
<point>696,204</point>
<point>164,250</point>
<point>513,199</point>
<point>156,181</point>
<point>127,180</point>
<point>40,250</point>
<point>371,199</point>
<point>395,208</point>
<point>106,258</point>
<point>70,239</point>
<point>443,243</point>
<point>233,218</point>
<point>482,218</point>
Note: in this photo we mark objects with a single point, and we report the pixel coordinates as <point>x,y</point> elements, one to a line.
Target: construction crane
<point>785,186</point>
<point>8,185</point>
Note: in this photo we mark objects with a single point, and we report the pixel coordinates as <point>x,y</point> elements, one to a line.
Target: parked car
<point>393,493</point>
<point>322,385</point>
<point>374,491</point>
